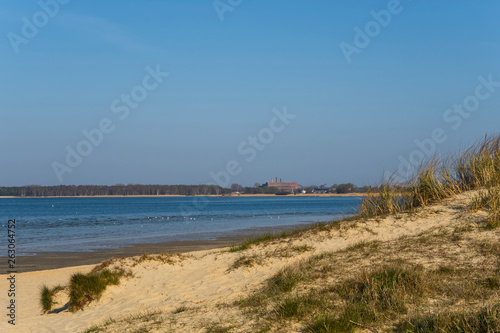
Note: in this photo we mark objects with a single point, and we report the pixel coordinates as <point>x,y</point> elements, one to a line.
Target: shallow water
<point>86,224</point>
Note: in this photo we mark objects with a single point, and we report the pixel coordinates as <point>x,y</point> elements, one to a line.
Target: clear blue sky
<point>353,120</point>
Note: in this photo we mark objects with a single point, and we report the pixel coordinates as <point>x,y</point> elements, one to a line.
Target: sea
<point>92,224</point>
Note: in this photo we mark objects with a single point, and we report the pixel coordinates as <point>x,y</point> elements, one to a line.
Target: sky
<point>240,91</point>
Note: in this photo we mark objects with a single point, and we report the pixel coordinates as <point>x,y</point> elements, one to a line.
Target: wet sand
<point>39,261</point>
<point>51,260</point>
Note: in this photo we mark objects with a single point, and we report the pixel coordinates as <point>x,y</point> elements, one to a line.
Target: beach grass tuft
<point>245,261</point>
<point>286,279</point>
<point>85,288</point>
<point>440,178</point>
<point>47,297</point>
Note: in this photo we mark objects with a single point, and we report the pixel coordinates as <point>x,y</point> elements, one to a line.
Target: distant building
<point>291,187</point>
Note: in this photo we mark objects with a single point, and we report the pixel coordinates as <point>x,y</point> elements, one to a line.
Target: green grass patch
<point>362,245</point>
<point>372,297</point>
<point>245,261</point>
<point>47,297</point>
<point>382,293</point>
<point>85,288</point>
<point>297,307</point>
<point>286,279</point>
<point>328,324</point>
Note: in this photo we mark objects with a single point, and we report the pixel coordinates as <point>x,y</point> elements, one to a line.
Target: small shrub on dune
<point>85,288</point>
<point>47,297</point>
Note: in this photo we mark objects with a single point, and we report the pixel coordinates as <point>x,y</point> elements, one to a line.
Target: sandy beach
<point>207,282</point>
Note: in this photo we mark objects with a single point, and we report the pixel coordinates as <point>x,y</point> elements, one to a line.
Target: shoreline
<point>49,260</point>
<point>199,195</point>
<point>43,261</point>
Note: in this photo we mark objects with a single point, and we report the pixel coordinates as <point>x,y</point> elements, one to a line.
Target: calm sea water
<point>87,224</point>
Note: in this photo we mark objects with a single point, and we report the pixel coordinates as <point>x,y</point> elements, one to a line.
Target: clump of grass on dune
<point>433,182</point>
<point>489,200</point>
<point>245,261</point>
<point>439,178</point>
<point>85,288</point>
<point>389,199</point>
<point>479,165</point>
<point>47,297</point>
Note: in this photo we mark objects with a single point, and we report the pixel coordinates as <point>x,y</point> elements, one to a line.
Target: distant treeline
<point>93,190</point>
<point>133,189</point>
